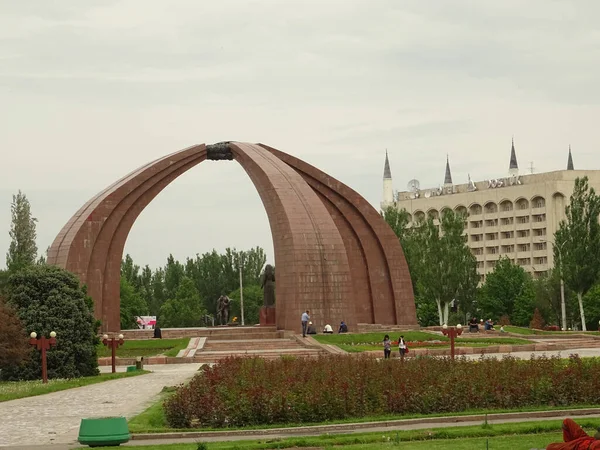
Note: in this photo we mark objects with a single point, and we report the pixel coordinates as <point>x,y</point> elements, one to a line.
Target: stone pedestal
<point>267,316</point>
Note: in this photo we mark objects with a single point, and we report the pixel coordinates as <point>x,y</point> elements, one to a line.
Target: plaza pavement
<point>54,418</point>
<point>51,421</point>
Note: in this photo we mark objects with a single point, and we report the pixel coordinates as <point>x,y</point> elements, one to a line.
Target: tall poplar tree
<point>577,241</point>
<point>22,251</point>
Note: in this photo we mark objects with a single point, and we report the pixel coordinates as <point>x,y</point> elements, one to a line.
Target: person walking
<point>387,347</point>
<point>305,319</point>
<point>402,347</point>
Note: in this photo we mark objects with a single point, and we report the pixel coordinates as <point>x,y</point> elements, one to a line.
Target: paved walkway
<point>383,427</point>
<point>55,418</point>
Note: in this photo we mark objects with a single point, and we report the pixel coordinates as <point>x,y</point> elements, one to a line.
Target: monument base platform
<point>267,316</point>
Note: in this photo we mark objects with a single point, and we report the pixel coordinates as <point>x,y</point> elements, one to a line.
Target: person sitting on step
<point>328,329</point>
<point>311,329</point>
<point>343,327</point>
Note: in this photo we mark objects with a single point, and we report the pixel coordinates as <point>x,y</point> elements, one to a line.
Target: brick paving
<point>54,418</point>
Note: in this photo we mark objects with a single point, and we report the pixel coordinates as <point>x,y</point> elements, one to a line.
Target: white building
<point>514,216</point>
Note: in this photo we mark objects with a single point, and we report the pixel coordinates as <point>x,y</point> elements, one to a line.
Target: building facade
<point>515,216</point>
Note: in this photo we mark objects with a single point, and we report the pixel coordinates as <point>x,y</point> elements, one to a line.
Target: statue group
<point>223,305</point>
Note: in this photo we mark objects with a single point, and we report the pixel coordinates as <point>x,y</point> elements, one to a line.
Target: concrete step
<point>256,344</point>
<point>221,333</point>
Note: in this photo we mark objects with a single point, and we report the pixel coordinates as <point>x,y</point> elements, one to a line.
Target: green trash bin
<point>131,368</point>
<point>105,431</point>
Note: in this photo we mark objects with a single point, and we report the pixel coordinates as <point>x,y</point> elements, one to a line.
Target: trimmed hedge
<point>253,391</point>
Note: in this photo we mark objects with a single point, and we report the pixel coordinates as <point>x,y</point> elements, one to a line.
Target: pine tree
<point>22,251</point>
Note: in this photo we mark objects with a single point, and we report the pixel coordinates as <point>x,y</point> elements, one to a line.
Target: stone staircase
<point>216,349</point>
<point>209,345</point>
<point>221,333</point>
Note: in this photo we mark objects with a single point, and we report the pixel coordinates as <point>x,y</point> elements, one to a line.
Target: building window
<point>477,224</point>
<point>491,236</point>
<point>524,219</point>
<point>539,232</point>
<point>524,261</point>
<point>523,233</point>
<point>541,260</point>
<point>492,250</point>
<point>508,221</point>
<point>540,246</point>
<point>539,218</point>
<point>491,222</point>
<point>524,247</point>
<point>539,202</point>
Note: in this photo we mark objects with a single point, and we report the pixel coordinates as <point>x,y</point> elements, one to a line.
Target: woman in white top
<point>402,346</point>
<point>328,329</point>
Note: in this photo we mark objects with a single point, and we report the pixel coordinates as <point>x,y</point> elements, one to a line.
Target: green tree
<point>158,291</point>
<point>22,251</point>
<point>446,268</point>
<point>132,305</point>
<point>174,272</point>
<point>14,347</point>
<point>579,238</point>
<point>253,301</point>
<point>591,302</point>
<point>398,220</point>
<point>4,274</point>
<point>508,290</point>
<point>185,310</point>
<point>47,299</point>
<point>131,272</point>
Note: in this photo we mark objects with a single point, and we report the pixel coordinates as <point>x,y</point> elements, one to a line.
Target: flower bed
<point>253,391</point>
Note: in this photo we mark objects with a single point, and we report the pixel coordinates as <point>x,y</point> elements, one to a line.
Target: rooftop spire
<point>570,161</point>
<point>387,173</point>
<point>513,157</point>
<point>448,177</point>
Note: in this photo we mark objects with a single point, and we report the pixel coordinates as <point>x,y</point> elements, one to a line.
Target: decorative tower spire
<point>387,173</point>
<point>448,177</point>
<point>388,188</point>
<point>570,161</point>
<point>513,168</point>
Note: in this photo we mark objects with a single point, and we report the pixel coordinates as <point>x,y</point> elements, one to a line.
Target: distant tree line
<point>182,294</point>
<point>446,284</point>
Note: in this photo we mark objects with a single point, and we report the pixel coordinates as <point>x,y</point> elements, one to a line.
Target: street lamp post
<point>452,333</point>
<point>241,295</point>
<point>563,308</point>
<point>113,343</point>
<point>43,345</point>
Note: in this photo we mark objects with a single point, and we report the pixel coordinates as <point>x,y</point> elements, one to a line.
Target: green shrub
<point>252,391</point>
<point>47,299</point>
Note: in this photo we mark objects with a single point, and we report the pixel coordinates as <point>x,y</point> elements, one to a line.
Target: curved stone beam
<point>379,269</point>
<point>83,244</point>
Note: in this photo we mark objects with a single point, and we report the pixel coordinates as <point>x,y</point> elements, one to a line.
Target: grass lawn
<point>11,390</point>
<point>147,347</point>
<point>529,331</point>
<point>153,419</point>
<point>521,435</point>
<point>362,342</point>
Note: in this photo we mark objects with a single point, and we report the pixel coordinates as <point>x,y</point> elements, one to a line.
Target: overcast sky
<point>90,90</point>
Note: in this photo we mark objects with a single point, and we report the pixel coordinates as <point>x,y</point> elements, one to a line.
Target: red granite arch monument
<point>334,253</point>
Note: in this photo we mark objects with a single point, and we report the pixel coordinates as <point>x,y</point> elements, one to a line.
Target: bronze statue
<point>223,305</point>
<point>268,285</point>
